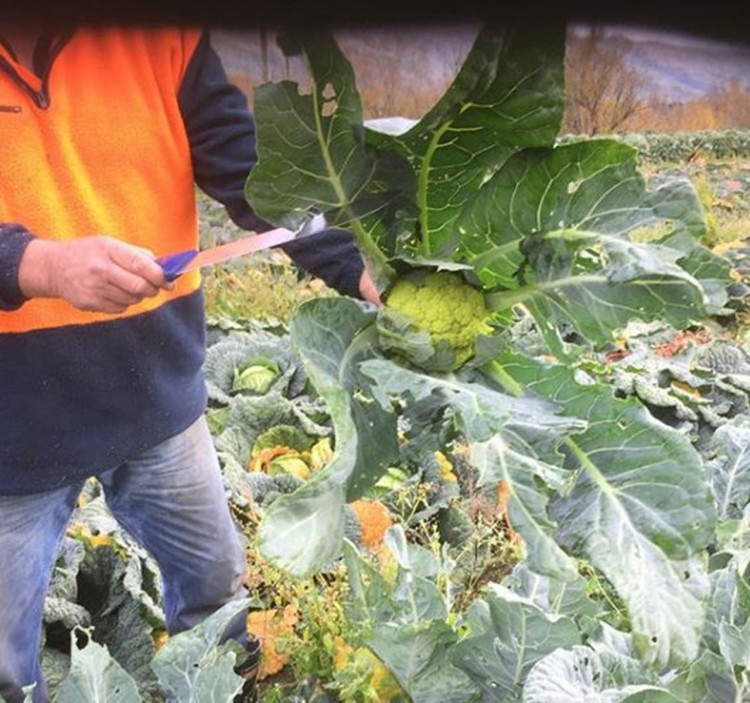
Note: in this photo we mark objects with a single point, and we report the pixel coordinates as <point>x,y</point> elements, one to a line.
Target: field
<point>313,645</point>
<point>524,478</point>
<point>266,288</point>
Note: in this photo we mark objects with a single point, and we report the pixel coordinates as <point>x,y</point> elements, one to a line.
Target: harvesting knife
<point>175,265</point>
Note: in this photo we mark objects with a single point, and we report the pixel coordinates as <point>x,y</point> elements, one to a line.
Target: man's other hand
<point>96,273</point>
<point>367,288</point>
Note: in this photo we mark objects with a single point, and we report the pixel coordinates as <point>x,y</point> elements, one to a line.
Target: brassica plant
<point>570,238</point>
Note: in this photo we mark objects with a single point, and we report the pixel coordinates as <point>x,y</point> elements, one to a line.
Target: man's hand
<point>97,273</point>
<point>367,288</point>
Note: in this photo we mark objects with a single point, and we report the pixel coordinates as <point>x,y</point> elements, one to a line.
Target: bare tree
<point>603,93</point>
<point>733,103</point>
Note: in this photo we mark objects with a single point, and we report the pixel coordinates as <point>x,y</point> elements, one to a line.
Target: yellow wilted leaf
<point>160,637</point>
<point>321,453</point>
<point>686,388</point>
<point>387,564</point>
<point>725,246</point>
<point>382,682</point>
<point>342,652</point>
<point>95,541</point>
<point>102,541</point>
<point>446,468</point>
<point>503,497</point>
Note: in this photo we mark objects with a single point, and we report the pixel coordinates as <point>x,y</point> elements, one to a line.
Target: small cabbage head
<point>433,319</point>
<point>256,376</point>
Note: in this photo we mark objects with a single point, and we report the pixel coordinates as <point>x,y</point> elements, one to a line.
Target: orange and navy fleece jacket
<point>109,135</point>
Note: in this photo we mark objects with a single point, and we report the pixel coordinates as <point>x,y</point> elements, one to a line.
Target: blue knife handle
<point>175,263</point>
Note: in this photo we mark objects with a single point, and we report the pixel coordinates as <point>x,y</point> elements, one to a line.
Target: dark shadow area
<point>726,20</point>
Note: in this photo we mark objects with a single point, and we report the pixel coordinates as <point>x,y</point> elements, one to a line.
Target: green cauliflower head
<point>441,305</point>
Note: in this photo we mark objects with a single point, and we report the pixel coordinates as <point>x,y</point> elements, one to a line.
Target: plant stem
<point>504,300</point>
<point>495,371</point>
<point>376,261</point>
<point>423,183</point>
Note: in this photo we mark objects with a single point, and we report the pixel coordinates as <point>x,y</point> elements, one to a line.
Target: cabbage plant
<point>571,239</point>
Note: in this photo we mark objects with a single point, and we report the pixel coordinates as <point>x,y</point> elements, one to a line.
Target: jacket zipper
<point>41,98</point>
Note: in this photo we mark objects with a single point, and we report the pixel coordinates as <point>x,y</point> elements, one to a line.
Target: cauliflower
<point>442,305</point>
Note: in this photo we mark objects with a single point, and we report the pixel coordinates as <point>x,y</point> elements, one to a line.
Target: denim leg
<point>31,531</point>
<point>172,500</point>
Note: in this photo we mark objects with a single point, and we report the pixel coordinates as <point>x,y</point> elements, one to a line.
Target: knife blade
<point>175,265</point>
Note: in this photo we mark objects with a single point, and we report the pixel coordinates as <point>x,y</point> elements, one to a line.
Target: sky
<point>682,66</point>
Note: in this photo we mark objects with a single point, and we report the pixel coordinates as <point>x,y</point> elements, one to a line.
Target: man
<point>105,133</point>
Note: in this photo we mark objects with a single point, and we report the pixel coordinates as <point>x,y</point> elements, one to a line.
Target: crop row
<point>661,147</point>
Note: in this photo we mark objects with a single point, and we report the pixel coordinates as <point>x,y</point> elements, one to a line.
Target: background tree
<point>402,71</point>
<point>604,94</point>
<point>733,103</point>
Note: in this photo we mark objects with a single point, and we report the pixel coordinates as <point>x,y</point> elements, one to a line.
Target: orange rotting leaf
<point>682,340</point>
<point>272,627</point>
<point>342,652</point>
<point>503,494</point>
<point>616,354</point>
<point>262,460</point>
<point>374,519</point>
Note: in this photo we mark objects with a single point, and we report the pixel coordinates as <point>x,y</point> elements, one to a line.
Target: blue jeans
<point>171,499</point>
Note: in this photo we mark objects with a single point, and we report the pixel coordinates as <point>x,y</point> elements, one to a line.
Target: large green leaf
<point>708,679</point>
<point>641,509</point>
<point>729,604</point>
<point>724,667</point>
<point>594,676</point>
<point>555,596</point>
<point>511,439</point>
<point>418,654</point>
<point>730,467</point>
<point>312,155</point>
<point>574,234</point>
<point>302,531</point>
<point>507,96</point>
<point>197,666</point>
<point>507,636</point>
<point>733,540</point>
<point>309,156</point>
<point>507,458</point>
<point>735,644</point>
<point>410,598</point>
<point>402,193</point>
<point>95,677</point>
<point>405,624</point>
